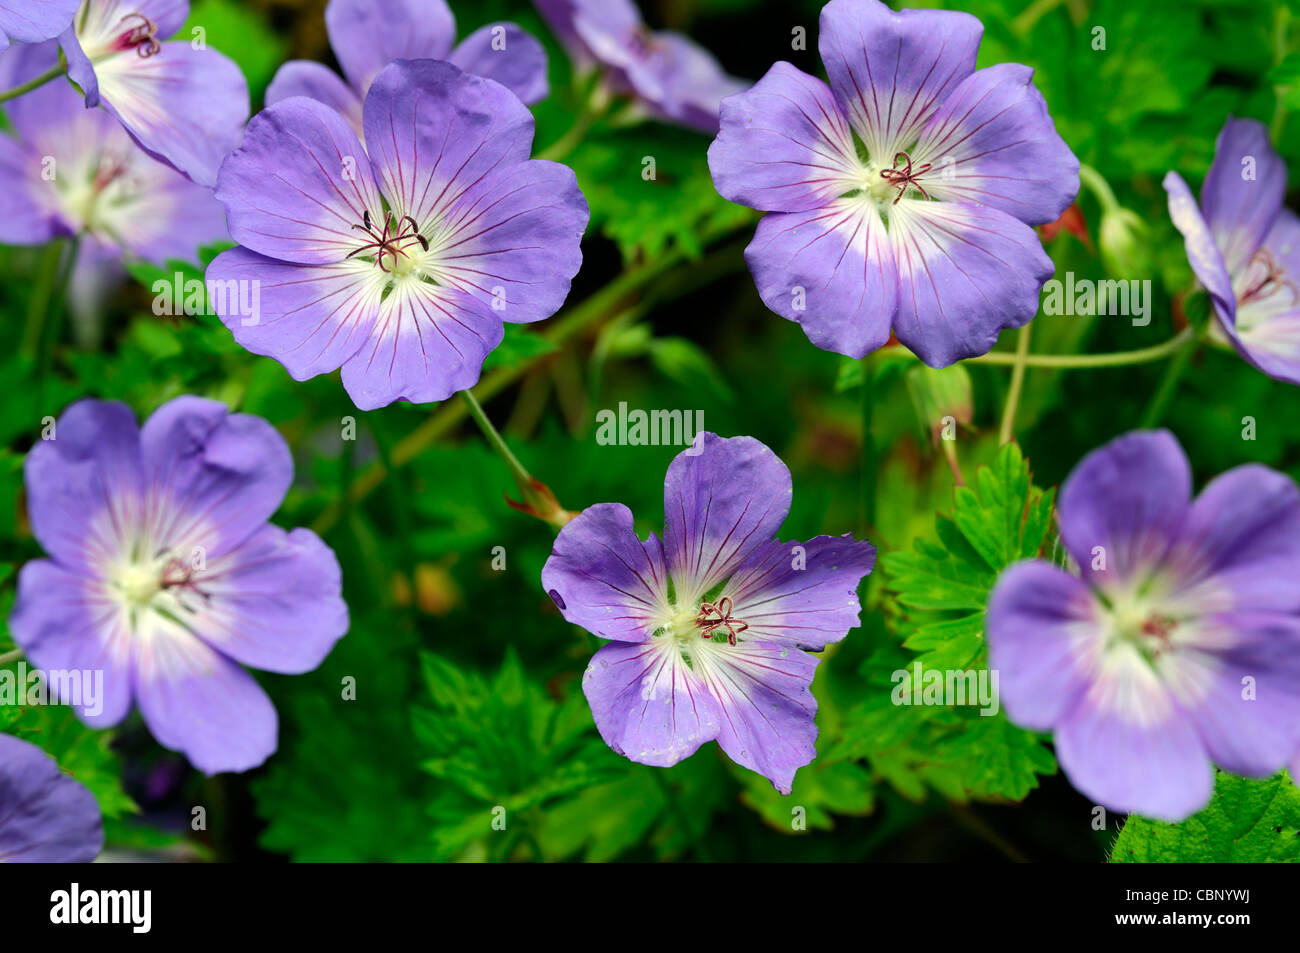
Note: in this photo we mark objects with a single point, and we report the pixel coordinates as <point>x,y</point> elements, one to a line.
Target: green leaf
<point>1247,821</point>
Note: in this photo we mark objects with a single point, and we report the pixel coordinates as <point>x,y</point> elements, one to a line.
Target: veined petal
<point>603,578</point>
<point>993,143</point>
<point>648,704</point>
<point>1123,505</point>
<point>427,343</point>
<point>768,712</point>
<point>507,54</point>
<point>32,21</point>
<point>513,239</point>
<point>723,499</point>
<point>310,318</point>
<point>434,132</point>
<point>318,82</point>
<point>198,702</point>
<point>784,145</point>
<point>274,602</point>
<point>801,595</point>
<point>832,271</point>
<point>1202,253</point>
<point>1042,631</point>
<point>105,20</point>
<point>1266,327</point>
<point>892,71</point>
<point>299,187</point>
<point>965,273</point>
<point>367,35</point>
<point>46,816</point>
<point>1243,190</point>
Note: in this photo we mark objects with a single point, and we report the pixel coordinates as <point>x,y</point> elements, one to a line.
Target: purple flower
<point>182,102</point>
<point>667,74</point>
<point>1245,247</point>
<point>902,194</point>
<point>710,628</point>
<point>74,171</point>
<point>31,21</point>
<point>45,816</point>
<point>165,574</point>
<point>367,35</point>
<point>1180,644</point>
<point>399,266</point>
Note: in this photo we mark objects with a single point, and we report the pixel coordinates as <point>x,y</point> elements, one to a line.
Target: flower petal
<point>801,595</point>
<point>891,71</point>
<point>507,54</point>
<point>603,578</point>
<point>274,603</point>
<point>1202,253</point>
<point>648,704</point>
<point>300,185</point>
<point>675,78</point>
<point>1243,190</point>
<point>965,273</point>
<point>318,82</point>
<point>723,499</point>
<point>784,145</point>
<point>993,143</point>
<point>367,35</point>
<point>46,817</point>
<point>1129,498</point>
<point>1042,628</point>
<point>198,702</point>
<point>215,477</point>
<point>513,239</point>
<point>310,318</point>
<point>768,712</point>
<point>32,21</point>
<point>427,343</point>
<point>831,271</point>
<point>1266,327</point>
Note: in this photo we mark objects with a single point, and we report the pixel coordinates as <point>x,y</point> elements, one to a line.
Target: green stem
<point>54,73</point>
<point>38,306</point>
<point>1281,31</point>
<point>1169,383</point>
<point>1081,361</point>
<point>867,509</point>
<point>11,656</point>
<point>1093,180</point>
<point>517,469</point>
<point>53,325</point>
<point>1007,431</point>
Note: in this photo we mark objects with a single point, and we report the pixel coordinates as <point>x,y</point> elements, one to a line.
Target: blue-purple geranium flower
<point>398,261</point>
<point>1244,247</point>
<point>902,193</point>
<point>69,170</point>
<point>165,574</point>
<point>183,103</point>
<point>1180,645</point>
<point>46,817</point>
<point>711,627</point>
<point>32,21</point>
<point>367,35</point>
<point>667,74</point>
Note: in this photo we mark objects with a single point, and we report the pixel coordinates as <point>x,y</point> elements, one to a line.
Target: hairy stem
<point>1007,431</point>
<point>52,74</point>
<point>1083,361</point>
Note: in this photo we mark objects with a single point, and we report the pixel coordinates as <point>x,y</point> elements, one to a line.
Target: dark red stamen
<point>178,574</point>
<point>1265,278</point>
<point>144,36</point>
<point>391,241</point>
<point>902,176</point>
<point>718,616</point>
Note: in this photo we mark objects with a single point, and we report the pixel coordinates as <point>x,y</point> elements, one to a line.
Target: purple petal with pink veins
<point>1129,497</point>
<point>723,499</point>
<point>367,35</point>
<point>32,21</point>
<point>1202,253</point>
<point>1043,630</point>
<point>310,318</point>
<point>105,21</point>
<point>427,343</point>
<point>507,54</point>
<point>305,78</point>
<point>434,132</point>
<point>648,704</point>
<point>892,71</point>
<point>603,578</point>
<point>1266,326</point>
<point>1243,190</point>
<point>198,702</point>
<point>784,145</point>
<point>993,143</point>
<point>299,187</point>
<point>965,273</point>
<point>274,602</point>
<point>513,239</point>
<point>830,270</point>
<point>801,595</point>
<point>46,816</point>
<point>767,710</point>
<point>66,620</point>
<point>215,477</point>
